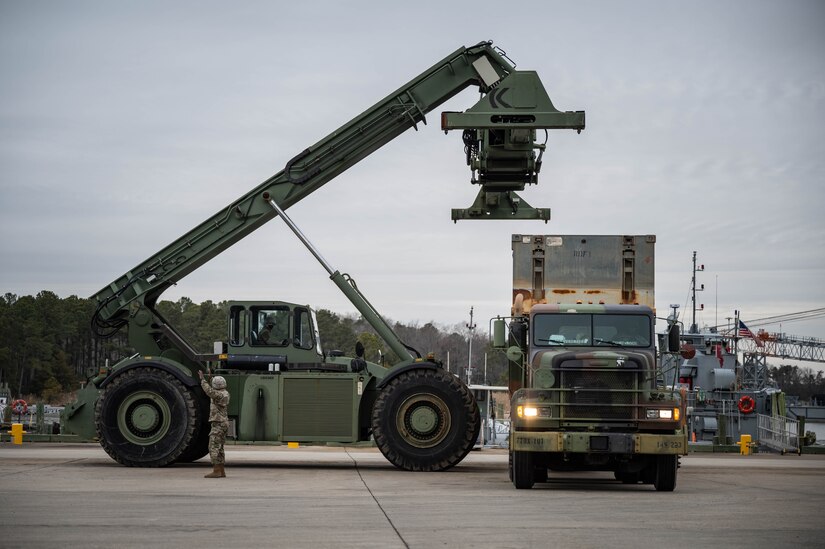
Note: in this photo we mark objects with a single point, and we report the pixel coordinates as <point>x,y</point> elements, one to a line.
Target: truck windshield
<point>587,330</point>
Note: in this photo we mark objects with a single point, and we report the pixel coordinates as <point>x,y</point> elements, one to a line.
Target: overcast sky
<point>123,125</point>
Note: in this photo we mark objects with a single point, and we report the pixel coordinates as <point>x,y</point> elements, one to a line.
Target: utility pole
<point>471,327</point>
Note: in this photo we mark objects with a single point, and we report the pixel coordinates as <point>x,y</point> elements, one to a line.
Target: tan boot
<point>217,472</point>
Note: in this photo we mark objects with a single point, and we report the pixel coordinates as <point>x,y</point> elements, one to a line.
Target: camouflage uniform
<point>219,419</point>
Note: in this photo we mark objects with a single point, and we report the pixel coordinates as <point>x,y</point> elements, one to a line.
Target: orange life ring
<point>19,407</point>
<point>746,404</point>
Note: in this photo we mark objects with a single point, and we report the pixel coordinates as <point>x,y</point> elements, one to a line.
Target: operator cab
<point>272,336</point>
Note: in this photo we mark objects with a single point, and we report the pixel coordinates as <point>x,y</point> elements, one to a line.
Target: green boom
<point>517,103</point>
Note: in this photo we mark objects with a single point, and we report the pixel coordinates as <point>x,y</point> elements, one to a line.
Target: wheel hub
<point>143,417</point>
<point>423,420</point>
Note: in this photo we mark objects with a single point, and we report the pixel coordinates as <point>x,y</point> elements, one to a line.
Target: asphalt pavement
<point>74,495</point>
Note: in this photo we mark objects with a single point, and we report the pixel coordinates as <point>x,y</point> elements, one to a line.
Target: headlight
<point>534,411</point>
<point>663,414</point>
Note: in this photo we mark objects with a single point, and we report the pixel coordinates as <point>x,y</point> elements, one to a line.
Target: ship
<point>732,401</point>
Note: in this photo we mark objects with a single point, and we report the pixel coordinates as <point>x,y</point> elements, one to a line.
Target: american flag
<point>744,331</point>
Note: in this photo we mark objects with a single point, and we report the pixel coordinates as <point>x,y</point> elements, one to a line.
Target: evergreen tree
<point>337,332</point>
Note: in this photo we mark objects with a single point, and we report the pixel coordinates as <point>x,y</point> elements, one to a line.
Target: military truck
<point>585,390</point>
<point>147,410</point>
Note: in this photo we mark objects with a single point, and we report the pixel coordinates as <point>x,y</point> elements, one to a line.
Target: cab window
<point>303,330</point>
<point>270,326</point>
<point>622,330</point>
<point>562,329</point>
<point>237,320</point>
<point>584,330</point>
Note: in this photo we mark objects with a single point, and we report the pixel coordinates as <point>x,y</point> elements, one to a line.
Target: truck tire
<point>524,472</point>
<point>425,420</point>
<point>665,479</point>
<point>199,446</point>
<point>145,417</point>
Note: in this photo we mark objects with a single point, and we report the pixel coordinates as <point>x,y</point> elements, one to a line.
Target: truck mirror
<point>514,354</point>
<point>673,338</point>
<point>359,349</point>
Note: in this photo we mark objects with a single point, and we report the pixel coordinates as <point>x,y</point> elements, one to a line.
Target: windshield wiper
<point>553,341</point>
<point>608,342</point>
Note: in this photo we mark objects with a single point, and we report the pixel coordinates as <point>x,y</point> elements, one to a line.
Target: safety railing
<point>779,433</point>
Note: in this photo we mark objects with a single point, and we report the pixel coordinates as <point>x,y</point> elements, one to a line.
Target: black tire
<point>145,417</point>
<point>524,472</point>
<point>425,420</point>
<point>199,446</point>
<point>665,479</point>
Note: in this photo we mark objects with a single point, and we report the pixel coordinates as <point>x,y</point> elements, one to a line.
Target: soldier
<point>219,419</point>
<point>263,337</point>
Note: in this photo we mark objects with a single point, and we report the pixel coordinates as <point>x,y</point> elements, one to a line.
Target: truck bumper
<point>601,443</point>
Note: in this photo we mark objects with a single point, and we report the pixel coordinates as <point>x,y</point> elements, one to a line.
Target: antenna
<point>694,289</point>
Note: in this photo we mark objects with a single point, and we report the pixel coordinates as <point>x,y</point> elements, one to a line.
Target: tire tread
<point>425,377</point>
<point>136,375</point>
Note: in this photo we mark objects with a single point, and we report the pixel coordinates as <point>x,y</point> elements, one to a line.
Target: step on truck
<point>148,410</point>
<point>585,390</point>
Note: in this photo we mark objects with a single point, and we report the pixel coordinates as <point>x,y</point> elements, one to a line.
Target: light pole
<point>471,327</point>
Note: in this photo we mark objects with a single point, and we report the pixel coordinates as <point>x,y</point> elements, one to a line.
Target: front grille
<point>598,393</point>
